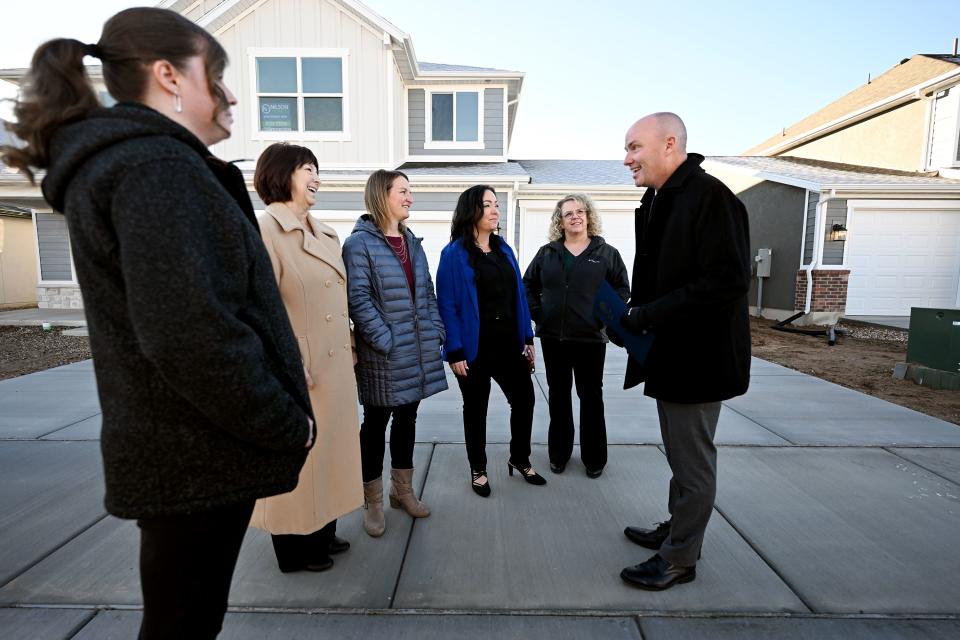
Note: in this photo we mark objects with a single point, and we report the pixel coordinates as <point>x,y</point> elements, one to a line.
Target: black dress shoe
<point>528,474</point>
<point>656,574</point>
<point>319,564</point>
<point>649,538</point>
<point>481,489</point>
<point>338,545</point>
<point>595,474</point>
<point>558,468</point>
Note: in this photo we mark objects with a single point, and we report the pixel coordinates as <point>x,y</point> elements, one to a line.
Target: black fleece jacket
<point>561,303</point>
<point>198,371</point>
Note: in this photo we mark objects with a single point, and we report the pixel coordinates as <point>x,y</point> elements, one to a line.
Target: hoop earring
<point>177,105</point>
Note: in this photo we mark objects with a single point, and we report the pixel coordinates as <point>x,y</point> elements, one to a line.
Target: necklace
<point>400,250</point>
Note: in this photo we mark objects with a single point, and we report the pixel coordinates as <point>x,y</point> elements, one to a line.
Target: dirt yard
<point>27,349</point>
<point>862,360</point>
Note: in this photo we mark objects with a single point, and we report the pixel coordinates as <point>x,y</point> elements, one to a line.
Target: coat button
<point>329,317</point>
<point>344,314</point>
<point>340,282</point>
<point>346,347</point>
<point>327,283</point>
<point>330,353</point>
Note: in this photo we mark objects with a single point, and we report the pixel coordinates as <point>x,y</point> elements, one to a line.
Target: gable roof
<point>820,175</point>
<point>907,81</point>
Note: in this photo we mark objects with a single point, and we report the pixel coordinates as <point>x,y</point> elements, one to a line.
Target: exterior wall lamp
<point>838,233</point>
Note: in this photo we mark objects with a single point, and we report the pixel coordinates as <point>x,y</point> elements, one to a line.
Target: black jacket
<point>690,280</point>
<point>561,304</point>
<point>199,374</point>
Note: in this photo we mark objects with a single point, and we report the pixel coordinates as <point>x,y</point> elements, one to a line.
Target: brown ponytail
<point>57,90</point>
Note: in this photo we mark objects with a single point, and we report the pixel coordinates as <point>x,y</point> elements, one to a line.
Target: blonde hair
<point>555,232</point>
<point>375,196</point>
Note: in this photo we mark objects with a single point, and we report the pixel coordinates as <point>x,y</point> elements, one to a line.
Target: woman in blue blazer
<point>488,332</point>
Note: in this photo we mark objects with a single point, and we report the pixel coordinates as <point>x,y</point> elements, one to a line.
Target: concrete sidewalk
<point>837,516</point>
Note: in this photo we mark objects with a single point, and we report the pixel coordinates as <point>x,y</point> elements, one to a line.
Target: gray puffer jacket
<point>398,339</point>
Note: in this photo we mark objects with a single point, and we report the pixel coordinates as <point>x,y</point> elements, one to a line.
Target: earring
<point>177,105</point>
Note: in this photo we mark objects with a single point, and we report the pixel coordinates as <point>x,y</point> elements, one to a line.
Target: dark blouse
<point>399,246</point>
<point>496,296</point>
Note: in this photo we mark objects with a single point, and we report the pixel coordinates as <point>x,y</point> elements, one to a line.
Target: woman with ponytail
<point>205,405</point>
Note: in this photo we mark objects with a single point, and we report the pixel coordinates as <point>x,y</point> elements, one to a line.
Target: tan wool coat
<point>312,281</point>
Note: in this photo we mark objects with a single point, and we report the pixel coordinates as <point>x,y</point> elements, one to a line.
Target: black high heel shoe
<point>482,490</point>
<point>527,473</point>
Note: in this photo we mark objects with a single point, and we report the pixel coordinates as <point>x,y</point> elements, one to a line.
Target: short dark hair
<point>276,166</point>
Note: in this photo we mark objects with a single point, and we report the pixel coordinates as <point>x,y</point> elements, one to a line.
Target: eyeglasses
<point>579,213</point>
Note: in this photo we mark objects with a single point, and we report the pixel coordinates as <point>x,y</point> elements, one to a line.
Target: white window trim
<point>36,252</point>
<point>300,134</point>
<point>428,142</point>
<point>821,237</point>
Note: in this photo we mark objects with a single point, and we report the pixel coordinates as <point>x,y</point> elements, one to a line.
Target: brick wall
<point>829,290</point>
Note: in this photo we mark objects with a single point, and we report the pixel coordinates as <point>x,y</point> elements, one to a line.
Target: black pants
<point>564,361</point>
<point>402,435</point>
<point>294,552</point>
<point>186,565</point>
<point>511,371</point>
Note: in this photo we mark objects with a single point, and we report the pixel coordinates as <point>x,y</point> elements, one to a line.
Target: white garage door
<point>902,258</point>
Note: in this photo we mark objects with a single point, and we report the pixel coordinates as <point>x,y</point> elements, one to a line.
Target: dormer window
<point>300,94</point>
<point>454,119</point>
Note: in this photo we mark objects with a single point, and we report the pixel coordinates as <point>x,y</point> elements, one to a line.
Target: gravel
<point>27,349</point>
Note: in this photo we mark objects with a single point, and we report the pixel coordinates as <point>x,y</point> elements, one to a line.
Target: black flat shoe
<point>558,468</point>
<point>528,474</point>
<point>482,490</point>
<point>656,574</point>
<point>595,474</point>
<point>648,538</point>
<point>338,545</point>
<point>320,564</point>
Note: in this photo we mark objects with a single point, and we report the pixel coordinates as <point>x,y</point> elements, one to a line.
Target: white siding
<point>312,24</point>
<point>943,129</point>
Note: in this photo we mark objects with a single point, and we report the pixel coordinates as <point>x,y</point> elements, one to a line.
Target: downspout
<point>818,231</point>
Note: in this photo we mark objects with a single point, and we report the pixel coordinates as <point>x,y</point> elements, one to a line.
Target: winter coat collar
<point>365,224</point>
<point>312,242</point>
<point>80,141</point>
<point>595,241</point>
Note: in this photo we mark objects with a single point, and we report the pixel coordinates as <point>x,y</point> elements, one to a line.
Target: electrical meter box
<point>935,338</point>
<point>763,259</point>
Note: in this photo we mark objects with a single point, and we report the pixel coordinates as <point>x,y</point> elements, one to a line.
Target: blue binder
<point>609,308</point>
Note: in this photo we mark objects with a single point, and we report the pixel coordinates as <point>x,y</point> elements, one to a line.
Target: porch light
<point>838,233</point>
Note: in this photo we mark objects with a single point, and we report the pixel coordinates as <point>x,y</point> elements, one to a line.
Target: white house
<point>334,76</point>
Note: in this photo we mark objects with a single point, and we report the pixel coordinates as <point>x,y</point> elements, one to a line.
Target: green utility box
<point>935,338</point>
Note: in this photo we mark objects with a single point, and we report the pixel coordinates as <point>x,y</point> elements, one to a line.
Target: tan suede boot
<point>401,494</point>
<point>373,521</point>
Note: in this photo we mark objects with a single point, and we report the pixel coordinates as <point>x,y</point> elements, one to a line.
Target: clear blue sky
<point>736,71</point>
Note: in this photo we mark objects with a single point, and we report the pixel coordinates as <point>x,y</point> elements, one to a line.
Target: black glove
<point>634,321</point>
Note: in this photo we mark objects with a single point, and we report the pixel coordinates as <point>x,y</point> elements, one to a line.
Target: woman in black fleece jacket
<point>205,407</point>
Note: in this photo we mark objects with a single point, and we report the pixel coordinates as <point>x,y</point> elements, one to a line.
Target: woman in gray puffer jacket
<point>398,335</point>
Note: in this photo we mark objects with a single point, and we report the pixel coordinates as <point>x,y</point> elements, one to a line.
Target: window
<point>302,92</point>
<point>455,119</point>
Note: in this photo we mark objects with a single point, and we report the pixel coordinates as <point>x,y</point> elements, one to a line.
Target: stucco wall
<point>892,140</point>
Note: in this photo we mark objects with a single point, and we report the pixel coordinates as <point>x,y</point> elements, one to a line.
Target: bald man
<point>690,280</point>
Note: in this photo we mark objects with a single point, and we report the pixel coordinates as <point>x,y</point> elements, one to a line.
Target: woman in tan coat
<point>309,270</point>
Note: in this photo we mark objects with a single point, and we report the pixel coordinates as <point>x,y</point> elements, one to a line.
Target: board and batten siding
<point>943,150</point>
<point>836,214</point>
<point>811,228</point>
<point>493,132</point>
<point>53,244</point>
<point>311,24</point>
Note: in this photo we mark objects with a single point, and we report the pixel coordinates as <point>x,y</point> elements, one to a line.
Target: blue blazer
<point>459,309</point>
